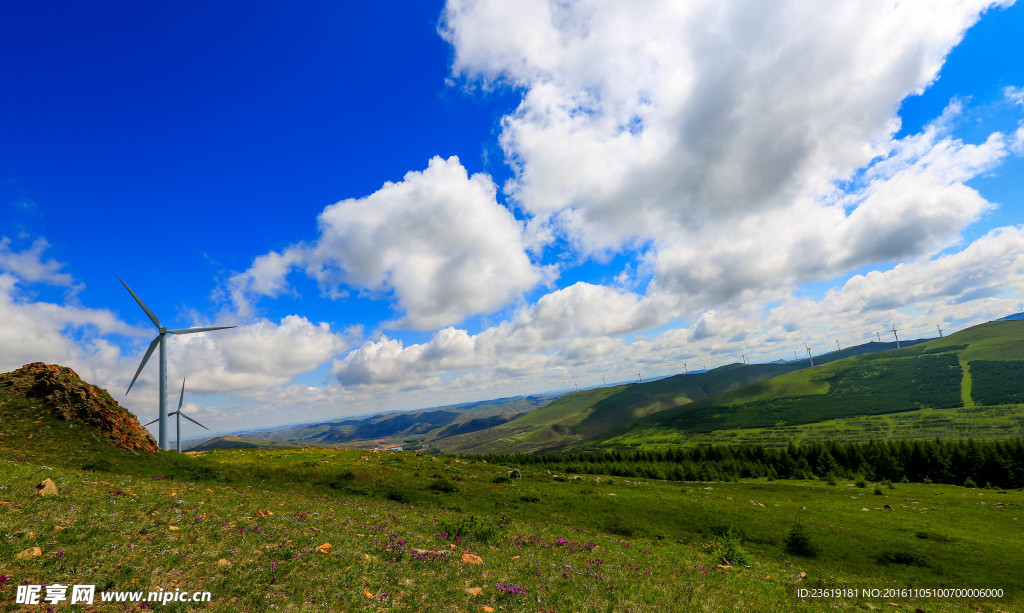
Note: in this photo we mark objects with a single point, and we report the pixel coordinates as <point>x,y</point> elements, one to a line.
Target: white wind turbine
<point>940,330</point>
<point>896,335</point>
<point>161,340</point>
<point>809,354</point>
<point>181,399</point>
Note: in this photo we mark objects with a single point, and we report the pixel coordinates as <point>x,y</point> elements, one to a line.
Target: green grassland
<point>250,527</point>
<point>251,531</point>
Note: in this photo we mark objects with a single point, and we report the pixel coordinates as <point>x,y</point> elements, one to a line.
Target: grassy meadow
<point>410,532</point>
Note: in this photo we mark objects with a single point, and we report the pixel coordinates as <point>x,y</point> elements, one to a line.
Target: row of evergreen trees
<point>958,462</point>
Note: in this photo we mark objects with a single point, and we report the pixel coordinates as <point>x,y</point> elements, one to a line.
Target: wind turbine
<point>161,340</point>
<point>838,348</point>
<point>685,372</point>
<point>638,377</point>
<point>181,399</point>
<point>896,335</point>
<point>809,354</point>
<point>879,336</point>
<point>940,330</point>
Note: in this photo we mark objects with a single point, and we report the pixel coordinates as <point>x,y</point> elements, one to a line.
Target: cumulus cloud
<point>34,331</point>
<point>541,345</point>
<point>250,359</point>
<point>571,315</point>
<point>714,135</point>
<point>31,266</point>
<point>437,243</point>
<point>254,356</point>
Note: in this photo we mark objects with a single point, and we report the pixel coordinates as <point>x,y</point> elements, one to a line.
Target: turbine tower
<point>638,377</point>
<point>181,399</point>
<point>838,348</point>
<point>940,330</point>
<point>896,335</point>
<point>685,372</point>
<point>879,336</point>
<point>809,354</point>
<point>161,340</point>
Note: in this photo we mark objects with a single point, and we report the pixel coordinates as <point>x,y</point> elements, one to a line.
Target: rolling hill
<point>974,374</point>
<point>581,416</point>
<point>421,428</point>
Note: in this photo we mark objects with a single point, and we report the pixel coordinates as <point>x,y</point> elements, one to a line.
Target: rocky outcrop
<point>68,397</point>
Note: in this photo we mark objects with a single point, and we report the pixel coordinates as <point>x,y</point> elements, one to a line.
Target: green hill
<point>951,378</point>
<point>239,442</point>
<point>576,418</point>
<point>415,429</point>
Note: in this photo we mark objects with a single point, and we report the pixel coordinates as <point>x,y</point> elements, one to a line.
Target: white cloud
<point>713,134</point>
<point>257,355</point>
<point>33,331</point>
<point>550,346</point>
<point>1015,95</point>
<point>437,242</point>
<point>30,266</point>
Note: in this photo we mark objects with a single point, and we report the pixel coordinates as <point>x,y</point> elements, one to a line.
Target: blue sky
<point>414,205</point>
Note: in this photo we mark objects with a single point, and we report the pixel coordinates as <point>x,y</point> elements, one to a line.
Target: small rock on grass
<point>470,558</point>
<point>31,552</point>
<point>474,591</point>
<point>47,488</point>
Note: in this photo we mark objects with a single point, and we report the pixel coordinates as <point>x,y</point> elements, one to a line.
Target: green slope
<point>576,417</point>
<point>929,376</point>
<point>581,416</point>
<point>239,442</point>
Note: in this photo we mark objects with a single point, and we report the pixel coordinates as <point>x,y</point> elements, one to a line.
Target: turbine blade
<point>194,421</point>
<point>149,352</point>
<point>193,330</point>
<point>152,422</point>
<point>152,317</point>
<point>182,397</point>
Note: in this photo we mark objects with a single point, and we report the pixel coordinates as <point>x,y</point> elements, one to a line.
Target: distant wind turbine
<point>838,348</point>
<point>879,336</point>
<point>940,330</point>
<point>638,377</point>
<point>161,340</point>
<point>809,354</point>
<point>181,399</point>
<point>896,335</point>
<point>685,372</point>
<point>794,356</point>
